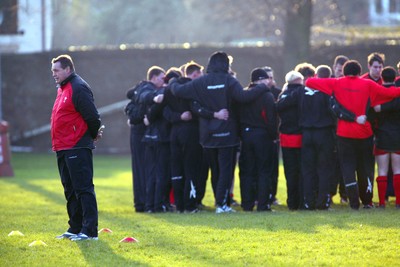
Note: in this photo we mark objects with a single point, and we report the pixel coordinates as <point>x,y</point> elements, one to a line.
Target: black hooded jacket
<point>217,90</point>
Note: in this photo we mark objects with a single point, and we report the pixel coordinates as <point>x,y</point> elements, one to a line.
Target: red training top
<point>356,95</point>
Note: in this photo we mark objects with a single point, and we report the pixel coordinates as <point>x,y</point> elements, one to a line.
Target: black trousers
<point>158,173</point>
<point>317,158</point>
<point>221,162</point>
<point>186,154</point>
<point>256,169</point>
<point>337,180</point>
<point>138,170</point>
<point>76,172</point>
<point>275,170</point>
<point>356,156</point>
<point>203,176</point>
<point>294,183</point>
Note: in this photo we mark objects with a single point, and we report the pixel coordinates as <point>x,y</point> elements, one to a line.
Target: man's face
<point>264,81</point>
<point>158,80</point>
<point>375,70</point>
<point>338,70</point>
<point>195,74</point>
<point>270,81</point>
<point>59,74</point>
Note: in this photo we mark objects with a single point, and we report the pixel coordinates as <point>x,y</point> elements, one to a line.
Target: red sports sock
<point>396,185</point>
<point>381,181</point>
<point>171,196</point>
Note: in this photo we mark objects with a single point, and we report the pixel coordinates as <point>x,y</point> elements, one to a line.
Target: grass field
<point>32,202</point>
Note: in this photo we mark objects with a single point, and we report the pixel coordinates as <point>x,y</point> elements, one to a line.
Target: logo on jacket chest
<point>309,91</point>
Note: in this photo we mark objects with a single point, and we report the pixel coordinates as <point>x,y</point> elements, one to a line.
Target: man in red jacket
<point>75,125</point>
<point>355,139</point>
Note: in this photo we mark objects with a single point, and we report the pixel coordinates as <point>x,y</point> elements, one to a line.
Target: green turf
<point>32,202</point>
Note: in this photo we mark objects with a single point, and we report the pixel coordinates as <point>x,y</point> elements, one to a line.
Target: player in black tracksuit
<point>318,145</point>
<point>186,152</point>
<point>290,138</point>
<point>275,162</point>
<point>157,138</point>
<point>137,152</point>
<point>217,90</point>
<point>258,130</point>
<point>157,152</point>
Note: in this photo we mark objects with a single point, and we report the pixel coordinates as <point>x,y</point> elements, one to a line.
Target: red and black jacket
<point>74,120</point>
<point>290,131</point>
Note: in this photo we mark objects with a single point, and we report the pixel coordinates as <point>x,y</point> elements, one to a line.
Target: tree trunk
<point>297,33</point>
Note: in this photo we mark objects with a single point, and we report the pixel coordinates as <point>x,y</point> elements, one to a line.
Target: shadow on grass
<point>160,233</point>
<point>298,221</point>
<point>39,165</point>
<point>57,198</point>
<point>302,221</point>
<point>100,253</point>
<point>342,217</point>
<point>159,242</point>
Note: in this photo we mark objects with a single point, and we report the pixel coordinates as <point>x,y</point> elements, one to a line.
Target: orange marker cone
<point>129,240</point>
<point>105,230</point>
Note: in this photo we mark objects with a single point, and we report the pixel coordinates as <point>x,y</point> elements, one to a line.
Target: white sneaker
<point>224,209</point>
<point>229,209</point>
<point>81,236</point>
<point>66,235</point>
<point>219,210</point>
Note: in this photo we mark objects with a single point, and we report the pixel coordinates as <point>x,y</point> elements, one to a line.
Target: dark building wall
<point>28,89</point>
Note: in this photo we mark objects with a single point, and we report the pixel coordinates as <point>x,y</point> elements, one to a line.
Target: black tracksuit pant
<point>356,155</point>
<point>256,169</point>
<point>221,163</point>
<point>294,183</point>
<point>186,155</point>
<point>317,158</point>
<point>337,178</point>
<point>76,171</point>
<point>138,169</point>
<point>203,176</point>
<point>275,166</point>
<point>157,165</point>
